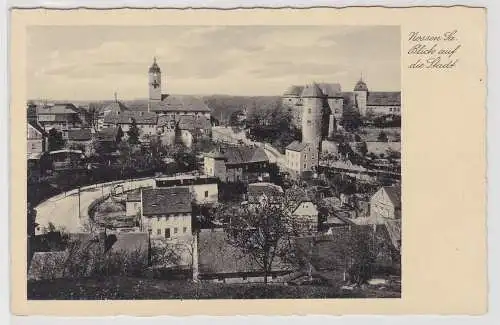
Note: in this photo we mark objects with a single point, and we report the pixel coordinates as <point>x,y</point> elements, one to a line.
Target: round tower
<point>361,96</point>
<point>154,82</point>
<point>312,114</point>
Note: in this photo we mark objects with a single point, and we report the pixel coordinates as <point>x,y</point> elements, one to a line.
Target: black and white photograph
<point>213,162</point>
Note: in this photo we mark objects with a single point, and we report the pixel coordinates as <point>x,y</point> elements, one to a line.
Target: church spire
<point>154,67</point>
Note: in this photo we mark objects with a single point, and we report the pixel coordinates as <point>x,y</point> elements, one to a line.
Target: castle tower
<point>154,82</point>
<point>293,102</point>
<point>312,114</point>
<point>361,96</point>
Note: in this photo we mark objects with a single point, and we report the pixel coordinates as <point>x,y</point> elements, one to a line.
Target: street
<point>62,210</point>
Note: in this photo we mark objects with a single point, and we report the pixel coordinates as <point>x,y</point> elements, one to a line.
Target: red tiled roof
<point>160,201</point>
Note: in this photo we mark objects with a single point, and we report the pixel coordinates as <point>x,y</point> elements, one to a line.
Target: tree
<point>93,115</point>
<point>382,137</point>
<point>362,148</point>
<point>265,233</point>
<point>119,134</point>
<point>55,140</point>
<point>351,120</point>
<point>133,133</point>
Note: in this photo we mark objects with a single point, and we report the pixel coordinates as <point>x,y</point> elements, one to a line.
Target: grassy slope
<point>135,288</point>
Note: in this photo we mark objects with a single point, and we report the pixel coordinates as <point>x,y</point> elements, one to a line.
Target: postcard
<point>301,161</point>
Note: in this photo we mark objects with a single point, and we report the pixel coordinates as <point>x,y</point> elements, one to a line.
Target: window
<point>305,166</point>
<point>309,110</point>
<point>184,230</point>
<point>167,232</point>
<point>158,232</point>
<point>308,122</point>
<point>206,193</point>
<point>158,218</point>
<point>305,156</point>
<point>244,278</point>
<point>175,230</point>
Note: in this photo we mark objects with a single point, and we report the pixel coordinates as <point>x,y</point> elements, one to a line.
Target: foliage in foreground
<point>139,288</point>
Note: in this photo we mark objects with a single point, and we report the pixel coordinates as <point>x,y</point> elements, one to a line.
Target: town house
<point>166,212</point>
<point>385,204</point>
<point>300,158</point>
<point>37,143</point>
<point>238,164</point>
<point>61,117</point>
<point>204,189</point>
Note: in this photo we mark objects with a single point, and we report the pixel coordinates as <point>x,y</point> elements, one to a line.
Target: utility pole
<point>79,203</point>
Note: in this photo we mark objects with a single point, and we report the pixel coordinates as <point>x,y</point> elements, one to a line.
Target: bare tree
<point>264,233</point>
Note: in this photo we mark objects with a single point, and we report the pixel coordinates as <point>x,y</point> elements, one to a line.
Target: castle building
<point>376,103</point>
<point>368,103</point>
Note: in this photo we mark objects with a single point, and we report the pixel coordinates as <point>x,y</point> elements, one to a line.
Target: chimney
<point>116,98</point>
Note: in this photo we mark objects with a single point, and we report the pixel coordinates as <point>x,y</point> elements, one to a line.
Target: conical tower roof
<point>361,85</point>
<point>154,67</point>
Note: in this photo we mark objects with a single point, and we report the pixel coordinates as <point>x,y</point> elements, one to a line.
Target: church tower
<point>154,82</point>
<point>361,96</point>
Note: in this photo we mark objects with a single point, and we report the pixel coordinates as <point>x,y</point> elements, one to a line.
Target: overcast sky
<point>92,62</point>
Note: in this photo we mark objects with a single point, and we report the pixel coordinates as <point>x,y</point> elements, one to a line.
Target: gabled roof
<point>179,104</point>
<point>257,190</point>
<point>297,146</point>
<point>312,90</point>
<point>159,201</point>
<point>116,106</point>
<point>242,155</point>
<point>57,109</point>
<point>293,90</point>
<point>191,123</point>
<point>131,242</point>
<point>79,135</point>
<point>217,256</point>
<point>127,117</point>
<point>384,98</point>
<point>134,196</point>
<point>394,194</point>
<point>216,154</point>
<point>37,127</point>
<point>331,89</point>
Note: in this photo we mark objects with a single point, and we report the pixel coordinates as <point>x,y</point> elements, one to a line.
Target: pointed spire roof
<point>361,85</point>
<point>154,67</point>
